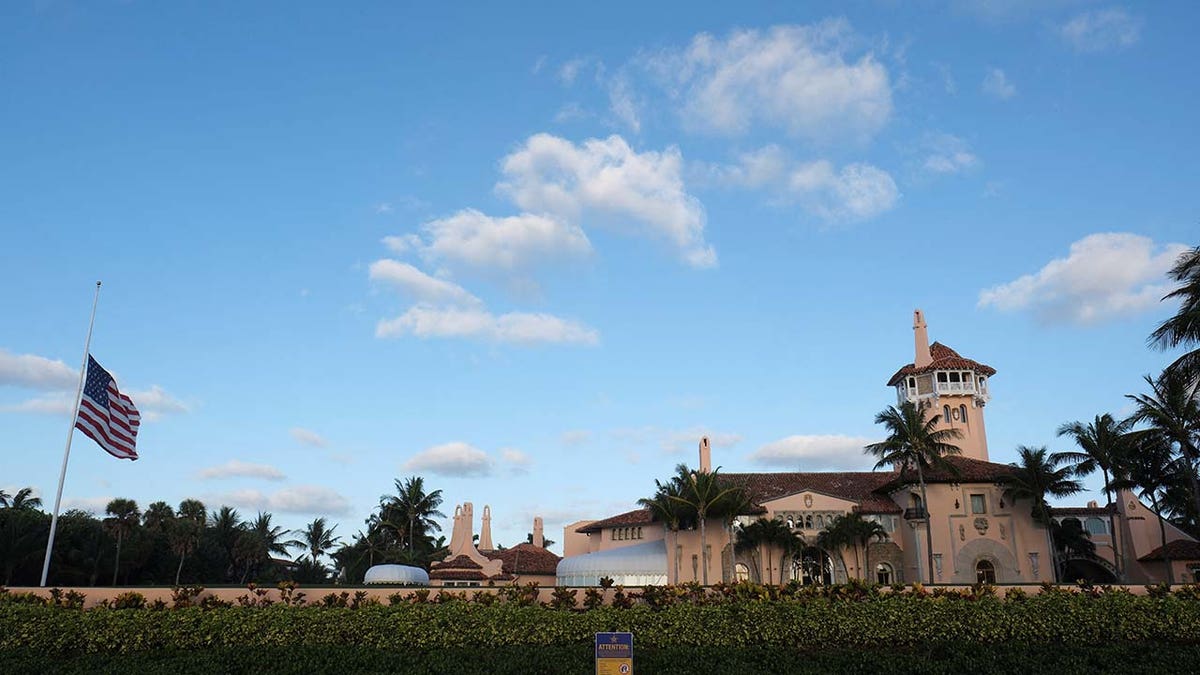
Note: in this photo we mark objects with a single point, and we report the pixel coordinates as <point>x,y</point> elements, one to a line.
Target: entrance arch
<point>1093,569</point>
<point>813,566</point>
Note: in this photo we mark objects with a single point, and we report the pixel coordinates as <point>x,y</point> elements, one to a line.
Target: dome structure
<point>634,565</point>
<point>396,574</point>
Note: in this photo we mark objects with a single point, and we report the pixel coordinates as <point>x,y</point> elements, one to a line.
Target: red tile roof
<point>1180,549</point>
<point>969,471</point>
<point>526,559</point>
<point>635,517</point>
<point>944,358</point>
<point>859,487</point>
<point>1082,510</point>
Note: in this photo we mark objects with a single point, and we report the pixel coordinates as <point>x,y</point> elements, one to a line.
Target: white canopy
<point>635,565</point>
<point>396,574</point>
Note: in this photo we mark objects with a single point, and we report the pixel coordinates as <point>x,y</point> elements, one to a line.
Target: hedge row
<point>963,658</point>
<point>901,621</point>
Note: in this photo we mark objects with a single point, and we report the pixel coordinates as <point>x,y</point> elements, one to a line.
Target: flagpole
<point>62,474</point>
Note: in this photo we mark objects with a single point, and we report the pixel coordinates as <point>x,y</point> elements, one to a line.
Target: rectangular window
<point>978,504</point>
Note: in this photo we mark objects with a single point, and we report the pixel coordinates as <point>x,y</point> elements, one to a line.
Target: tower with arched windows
<point>943,383</point>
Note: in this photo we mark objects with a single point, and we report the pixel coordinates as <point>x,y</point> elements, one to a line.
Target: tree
<point>1150,466</point>
<point>22,500</point>
<point>546,543</point>
<point>837,536</point>
<point>225,526</point>
<point>123,518</point>
<point>158,516</point>
<point>704,493</point>
<point>914,441</point>
<point>411,511</point>
<point>1038,476</point>
<point>1172,408</point>
<point>1102,445</point>
<point>666,508</point>
<point>1183,329</point>
<point>768,533</point>
<point>259,541</point>
<point>184,533</point>
<point>318,538</point>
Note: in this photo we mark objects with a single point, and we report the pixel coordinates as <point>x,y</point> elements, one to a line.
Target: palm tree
<point>546,542</point>
<point>1150,467</point>
<point>666,508</point>
<point>914,440</point>
<point>737,504</point>
<point>318,538</point>
<point>226,525</point>
<point>192,509</point>
<point>123,518</point>
<point>862,532</point>
<point>704,493</point>
<point>24,499</point>
<point>1184,327</point>
<point>837,536</point>
<point>750,539</point>
<point>1173,409</point>
<point>183,535</point>
<point>261,539</point>
<point>1038,476</point>
<point>158,516</point>
<point>1102,444</point>
<point>412,510</point>
<point>768,533</point>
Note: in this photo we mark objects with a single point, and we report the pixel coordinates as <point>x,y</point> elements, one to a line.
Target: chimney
<point>485,532</point>
<point>705,456</point>
<point>456,533</point>
<point>468,517</point>
<point>921,338</point>
<point>539,539</point>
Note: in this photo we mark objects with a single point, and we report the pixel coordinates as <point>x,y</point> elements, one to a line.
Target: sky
<point>533,253</point>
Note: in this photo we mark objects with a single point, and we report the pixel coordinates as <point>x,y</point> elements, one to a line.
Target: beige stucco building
<point>977,534</point>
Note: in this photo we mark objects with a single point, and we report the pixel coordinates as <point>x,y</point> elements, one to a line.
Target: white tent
<point>635,565</point>
<point>396,574</point>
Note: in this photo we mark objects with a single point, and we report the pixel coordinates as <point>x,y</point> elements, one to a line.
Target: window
<point>820,522</point>
<point>985,572</point>
<point>978,504</point>
<point>883,573</point>
<point>741,572</point>
<point>1194,570</point>
<point>1096,526</point>
<point>962,409</point>
<point>941,377</point>
<point>639,535</point>
<point>946,414</point>
<point>808,522</point>
<point>956,377</point>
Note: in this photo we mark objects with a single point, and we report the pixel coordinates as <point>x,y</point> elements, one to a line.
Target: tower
<point>941,382</point>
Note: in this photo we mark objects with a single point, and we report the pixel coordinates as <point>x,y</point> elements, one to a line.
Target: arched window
<point>985,572</point>
<point>741,572</point>
<point>791,524</point>
<point>883,573</point>
<point>808,522</point>
<point>1096,526</point>
<point>820,522</point>
<point>962,413</point>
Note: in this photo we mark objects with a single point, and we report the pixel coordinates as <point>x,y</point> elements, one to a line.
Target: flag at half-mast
<point>106,415</point>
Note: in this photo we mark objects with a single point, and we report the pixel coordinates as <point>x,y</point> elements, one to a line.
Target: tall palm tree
<point>260,540</point>
<point>750,540</point>
<point>1038,476</point>
<point>914,441</point>
<point>412,510</point>
<point>836,537</point>
<point>318,538</point>
<point>864,532</point>
<point>666,508</point>
<point>706,494</point>
<point>183,535</point>
<point>1150,468</point>
<point>765,534</point>
<point>1103,443</point>
<point>738,503</point>
<point>122,518</point>
<point>1173,409</point>
<point>226,526</point>
<point>192,509</point>
<point>1183,328</point>
<point>158,516</point>
<point>23,499</point>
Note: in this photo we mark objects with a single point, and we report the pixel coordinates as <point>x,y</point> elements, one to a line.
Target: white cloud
<point>236,468</point>
<point>947,154</point>
<point>425,321</point>
<point>794,77</point>
<point>451,459</point>
<point>308,437</point>
<point>383,208</point>
<point>304,499</point>
<point>570,70</point>
<point>418,285</point>
<point>575,437</point>
<point>1103,276</point>
<point>473,239</point>
<point>155,402</point>
<point>1103,29</point>
<point>817,452</point>
<point>51,404</point>
<point>622,103</point>
<point>996,85</point>
<point>606,182</point>
<point>518,462</point>
<point>35,372</point>
<point>401,244</point>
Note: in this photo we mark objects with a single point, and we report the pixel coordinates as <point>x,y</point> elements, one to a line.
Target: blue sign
<point>614,653</point>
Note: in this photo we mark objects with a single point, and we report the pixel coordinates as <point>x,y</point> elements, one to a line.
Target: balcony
<point>916,513</point>
<point>956,388</point>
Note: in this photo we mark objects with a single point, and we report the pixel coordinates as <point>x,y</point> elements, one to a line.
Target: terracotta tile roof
<point>969,471</point>
<point>860,487</point>
<point>1180,549</point>
<point>526,559</point>
<point>1082,510</point>
<point>944,358</point>
<point>461,562</point>
<point>635,517</point>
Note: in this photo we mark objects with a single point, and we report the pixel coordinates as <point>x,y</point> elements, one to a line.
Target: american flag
<point>107,415</point>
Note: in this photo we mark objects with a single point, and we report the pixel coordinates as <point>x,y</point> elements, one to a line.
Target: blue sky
<point>534,254</point>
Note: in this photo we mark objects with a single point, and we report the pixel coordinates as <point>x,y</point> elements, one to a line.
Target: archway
<point>813,566</point>
<point>1092,569</point>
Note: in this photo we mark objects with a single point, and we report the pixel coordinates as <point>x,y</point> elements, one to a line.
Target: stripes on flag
<point>106,415</point>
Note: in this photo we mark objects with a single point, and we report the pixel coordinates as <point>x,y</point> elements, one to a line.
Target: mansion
<point>977,534</point>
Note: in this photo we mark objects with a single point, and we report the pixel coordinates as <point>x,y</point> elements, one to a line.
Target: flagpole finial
<point>97,284</point>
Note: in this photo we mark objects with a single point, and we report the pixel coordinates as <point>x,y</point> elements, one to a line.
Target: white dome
<point>636,565</point>
<point>396,574</point>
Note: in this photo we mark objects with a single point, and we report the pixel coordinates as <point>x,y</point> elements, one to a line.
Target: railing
<point>956,387</point>
<point>916,513</point>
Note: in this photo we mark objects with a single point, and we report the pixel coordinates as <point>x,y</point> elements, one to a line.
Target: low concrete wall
<point>313,595</point>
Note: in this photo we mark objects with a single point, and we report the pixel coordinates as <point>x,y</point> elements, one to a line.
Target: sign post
<point>614,653</point>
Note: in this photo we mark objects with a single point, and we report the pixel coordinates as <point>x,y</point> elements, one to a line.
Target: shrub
<point>129,600</point>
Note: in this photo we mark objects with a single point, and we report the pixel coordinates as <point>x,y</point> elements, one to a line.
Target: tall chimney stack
<point>539,539</point>
<point>921,338</point>
<point>485,531</point>
<point>705,455</point>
